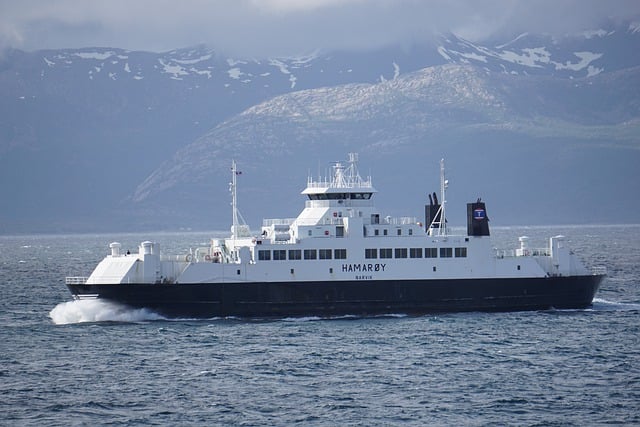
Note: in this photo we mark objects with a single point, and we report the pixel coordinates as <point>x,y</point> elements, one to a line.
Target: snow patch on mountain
<point>99,56</point>
<point>193,61</point>
<point>201,72</point>
<point>234,62</point>
<point>594,33</point>
<point>531,57</point>
<point>396,71</point>
<point>502,46</point>
<point>234,73</point>
<point>304,60</point>
<point>593,71</point>
<point>443,52</point>
<point>284,70</point>
<point>175,70</point>
<point>586,58</point>
<point>474,56</point>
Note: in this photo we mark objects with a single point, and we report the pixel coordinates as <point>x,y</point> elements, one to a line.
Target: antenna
<point>438,224</point>
<point>234,198</point>
<point>444,183</point>
<point>238,227</point>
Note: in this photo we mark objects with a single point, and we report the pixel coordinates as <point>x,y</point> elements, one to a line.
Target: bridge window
<point>340,196</point>
<point>361,196</point>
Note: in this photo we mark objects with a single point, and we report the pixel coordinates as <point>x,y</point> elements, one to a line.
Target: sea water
<point>65,362</point>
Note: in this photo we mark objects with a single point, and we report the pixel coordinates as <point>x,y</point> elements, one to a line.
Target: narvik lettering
<point>347,268</point>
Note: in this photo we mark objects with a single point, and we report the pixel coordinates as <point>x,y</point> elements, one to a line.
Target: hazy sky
<point>283,27</point>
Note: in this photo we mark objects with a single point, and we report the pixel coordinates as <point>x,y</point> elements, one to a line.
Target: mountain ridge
<point>91,125</point>
<point>449,102</point>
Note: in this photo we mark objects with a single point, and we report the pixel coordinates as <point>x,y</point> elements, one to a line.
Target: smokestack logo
<point>479,214</point>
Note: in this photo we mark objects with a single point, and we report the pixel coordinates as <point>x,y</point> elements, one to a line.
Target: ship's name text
<point>348,268</point>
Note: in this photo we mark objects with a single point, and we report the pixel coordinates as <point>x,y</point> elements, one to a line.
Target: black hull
<point>360,298</point>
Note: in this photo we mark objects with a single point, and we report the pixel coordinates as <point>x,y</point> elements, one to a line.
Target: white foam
<point>98,311</point>
<point>604,305</point>
<point>302,319</point>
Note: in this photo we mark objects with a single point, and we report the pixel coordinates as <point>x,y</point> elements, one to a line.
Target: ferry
<point>340,257</point>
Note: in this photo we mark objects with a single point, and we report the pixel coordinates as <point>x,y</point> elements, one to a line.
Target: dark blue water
<point>91,363</point>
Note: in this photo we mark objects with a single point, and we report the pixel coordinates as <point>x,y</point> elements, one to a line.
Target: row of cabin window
<point>296,254</point>
<point>385,232</point>
<point>415,253</point>
<point>340,196</point>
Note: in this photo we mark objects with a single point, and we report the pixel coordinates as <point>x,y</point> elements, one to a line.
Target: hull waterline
<point>359,298</point>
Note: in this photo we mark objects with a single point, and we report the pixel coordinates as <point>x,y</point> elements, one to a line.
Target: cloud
<point>282,27</point>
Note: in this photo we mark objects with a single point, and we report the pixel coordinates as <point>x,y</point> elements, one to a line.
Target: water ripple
<point>92,363</point>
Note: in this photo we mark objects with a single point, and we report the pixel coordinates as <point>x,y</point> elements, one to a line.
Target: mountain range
<point>547,129</point>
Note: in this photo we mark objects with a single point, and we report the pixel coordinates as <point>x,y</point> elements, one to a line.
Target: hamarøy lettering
<point>362,268</point>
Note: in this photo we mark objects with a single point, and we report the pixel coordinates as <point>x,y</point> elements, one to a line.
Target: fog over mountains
<point>545,130</point>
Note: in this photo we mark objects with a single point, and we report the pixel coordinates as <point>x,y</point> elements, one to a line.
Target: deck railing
<point>508,253</point>
<point>75,280</point>
<point>268,222</point>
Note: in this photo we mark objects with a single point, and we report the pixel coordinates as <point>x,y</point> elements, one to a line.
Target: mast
<point>239,227</point>
<point>438,225</point>
<point>444,183</point>
<point>234,199</point>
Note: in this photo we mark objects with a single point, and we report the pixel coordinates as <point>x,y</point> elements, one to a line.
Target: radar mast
<point>238,228</point>
<point>438,226</point>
